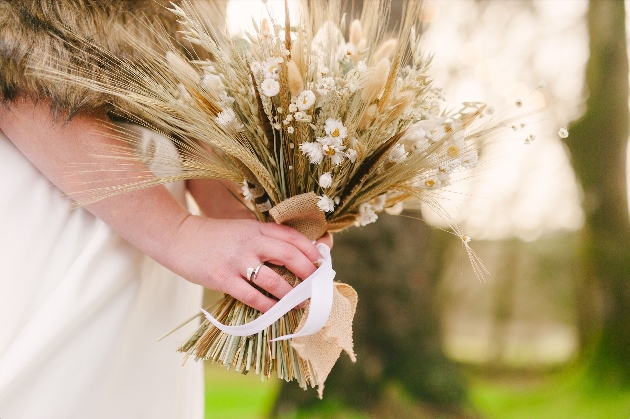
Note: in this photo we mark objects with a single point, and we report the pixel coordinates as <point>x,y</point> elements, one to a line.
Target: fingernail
<point>318,262</point>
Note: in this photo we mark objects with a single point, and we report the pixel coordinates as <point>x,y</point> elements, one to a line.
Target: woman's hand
<point>216,254</point>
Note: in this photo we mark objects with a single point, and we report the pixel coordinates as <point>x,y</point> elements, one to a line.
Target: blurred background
<point>547,334</point>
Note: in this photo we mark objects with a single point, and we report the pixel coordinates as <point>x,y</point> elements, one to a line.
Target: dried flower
<point>313,150</point>
<point>270,87</point>
<point>301,116</point>
<point>325,180</point>
<point>325,204</point>
<point>290,130</point>
<point>469,158</point>
<point>227,119</point>
<point>352,155</point>
<point>305,100</point>
<point>247,193</point>
<point>366,216</point>
<point>270,68</point>
<point>397,154</point>
<point>293,107</point>
<point>333,148</point>
<point>335,128</point>
<point>325,85</point>
<point>563,133</point>
<point>431,182</point>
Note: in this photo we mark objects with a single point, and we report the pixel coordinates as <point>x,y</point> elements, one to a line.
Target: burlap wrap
<point>323,348</point>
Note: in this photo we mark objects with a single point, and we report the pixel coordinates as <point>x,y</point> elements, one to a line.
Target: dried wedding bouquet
<point>321,132</point>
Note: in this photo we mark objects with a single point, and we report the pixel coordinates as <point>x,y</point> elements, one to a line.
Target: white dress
<point>80,312</point>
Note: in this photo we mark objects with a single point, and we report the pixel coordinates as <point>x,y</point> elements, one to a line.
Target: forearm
<point>213,253</point>
<point>147,218</point>
<point>219,199</point>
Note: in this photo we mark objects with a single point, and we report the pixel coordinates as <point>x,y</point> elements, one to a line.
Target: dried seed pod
<point>296,84</point>
<point>385,50</point>
<point>377,80</point>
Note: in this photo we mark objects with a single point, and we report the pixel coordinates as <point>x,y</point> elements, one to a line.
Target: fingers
<point>240,289</point>
<point>285,254</point>
<point>271,282</point>
<point>293,237</point>
<point>326,239</point>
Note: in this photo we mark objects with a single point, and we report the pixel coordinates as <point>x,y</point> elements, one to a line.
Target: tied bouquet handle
<point>325,328</point>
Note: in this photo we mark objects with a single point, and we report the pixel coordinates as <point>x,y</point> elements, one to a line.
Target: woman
<point>85,293</point>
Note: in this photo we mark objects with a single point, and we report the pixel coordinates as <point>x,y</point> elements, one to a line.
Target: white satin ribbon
<point>318,287</point>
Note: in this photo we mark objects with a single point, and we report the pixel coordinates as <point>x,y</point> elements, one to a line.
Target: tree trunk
<point>598,143</point>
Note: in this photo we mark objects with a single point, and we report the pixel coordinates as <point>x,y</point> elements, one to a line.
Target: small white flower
<point>313,151</point>
<point>453,151</point>
<point>325,204</point>
<point>348,50</point>
<point>226,100</point>
<point>325,180</point>
<point>302,117</point>
<point>293,107</point>
<point>227,119</point>
<point>324,71</point>
<point>212,82</point>
<point>290,130</point>
<point>270,87</point>
<point>305,100</point>
<point>431,182</point>
<point>324,85</point>
<point>271,68</point>
<point>288,119</point>
<point>352,155</point>
<point>356,79</point>
<point>333,148</point>
<point>445,169</point>
<point>366,216</point>
<point>519,103</point>
<point>280,110</point>
<point>255,67</point>
<point>361,66</point>
<point>397,154</point>
<point>469,158</point>
<point>335,128</point>
<point>247,193</point>
<point>563,133</point>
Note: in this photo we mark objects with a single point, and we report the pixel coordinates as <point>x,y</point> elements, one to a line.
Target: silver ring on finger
<point>252,272</point>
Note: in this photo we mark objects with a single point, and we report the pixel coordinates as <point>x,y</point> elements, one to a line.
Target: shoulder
<point>35,33</point>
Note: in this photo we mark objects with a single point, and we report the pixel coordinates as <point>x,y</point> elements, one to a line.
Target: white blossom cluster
<point>269,72</point>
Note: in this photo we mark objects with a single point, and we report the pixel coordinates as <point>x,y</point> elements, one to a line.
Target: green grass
<point>564,396</point>
<point>230,395</point>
